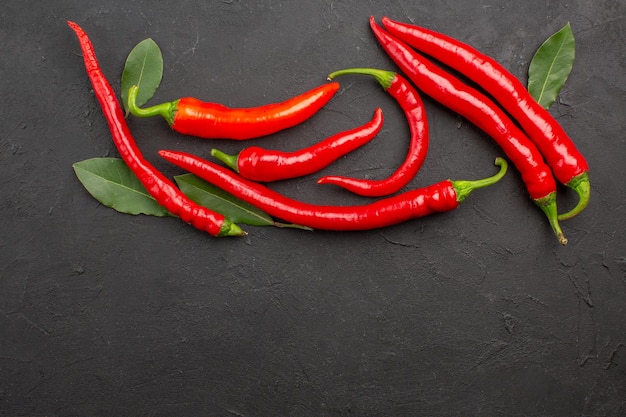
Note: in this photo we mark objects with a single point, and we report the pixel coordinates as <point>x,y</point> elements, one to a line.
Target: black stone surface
<point>473,312</point>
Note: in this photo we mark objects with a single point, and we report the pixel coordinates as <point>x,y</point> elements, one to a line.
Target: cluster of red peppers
<point>538,136</point>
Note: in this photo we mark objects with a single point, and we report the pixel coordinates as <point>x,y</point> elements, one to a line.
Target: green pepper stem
<point>231,229</point>
<point>166,110</point>
<point>548,206</point>
<point>384,78</point>
<point>547,203</point>
<point>465,188</point>
<point>229,160</point>
<point>580,184</point>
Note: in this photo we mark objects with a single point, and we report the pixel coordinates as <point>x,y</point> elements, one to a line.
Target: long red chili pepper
<point>258,164</point>
<point>159,187</point>
<point>443,196</point>
<point>190,116</point>
<point>484,113</point>
<point>411,103</point>
<point>567,163</point>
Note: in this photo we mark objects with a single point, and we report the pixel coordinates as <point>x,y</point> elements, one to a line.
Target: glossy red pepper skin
<point>485,114</point>
<point>190,116</point>
<point>411,103</point>
<point>157,185</point>
<point>439,197</point>
<point>568,164</point>
<point>259,164</point>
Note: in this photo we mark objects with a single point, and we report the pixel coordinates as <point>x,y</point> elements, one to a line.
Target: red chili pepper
<point>411,103</point>
<point>484,113</point>
<point>568,164</point>
<point>190,116</point>
<point>159,187</point>
<point>439,197</point>
<point>260,164</point>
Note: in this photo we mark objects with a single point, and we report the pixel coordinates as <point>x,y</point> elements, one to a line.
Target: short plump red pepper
<point>567,163</point>
<point>485,114</point>
<point>258,164</point>
<point>411,103</point>
<point>157,185</point>
<point>190,116</point>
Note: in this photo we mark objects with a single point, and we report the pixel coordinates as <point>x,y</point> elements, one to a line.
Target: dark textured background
<point>473,312</point>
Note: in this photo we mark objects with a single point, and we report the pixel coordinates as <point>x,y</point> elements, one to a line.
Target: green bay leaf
<point>216,199</point>
<point>220,201</point>
<point>551,66</point>
<point>112,183</point>
<point>143,68</point>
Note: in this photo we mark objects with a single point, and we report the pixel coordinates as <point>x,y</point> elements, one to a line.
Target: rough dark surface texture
<point>474,312</point>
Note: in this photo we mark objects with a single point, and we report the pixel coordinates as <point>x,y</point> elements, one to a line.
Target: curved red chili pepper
<point>485,114</point>
<point>439,197</point>
<point>190,116</point>
<point>568,164</point>
<point>265,165</point>
<point>405,94</point>
<point>159,187</point>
